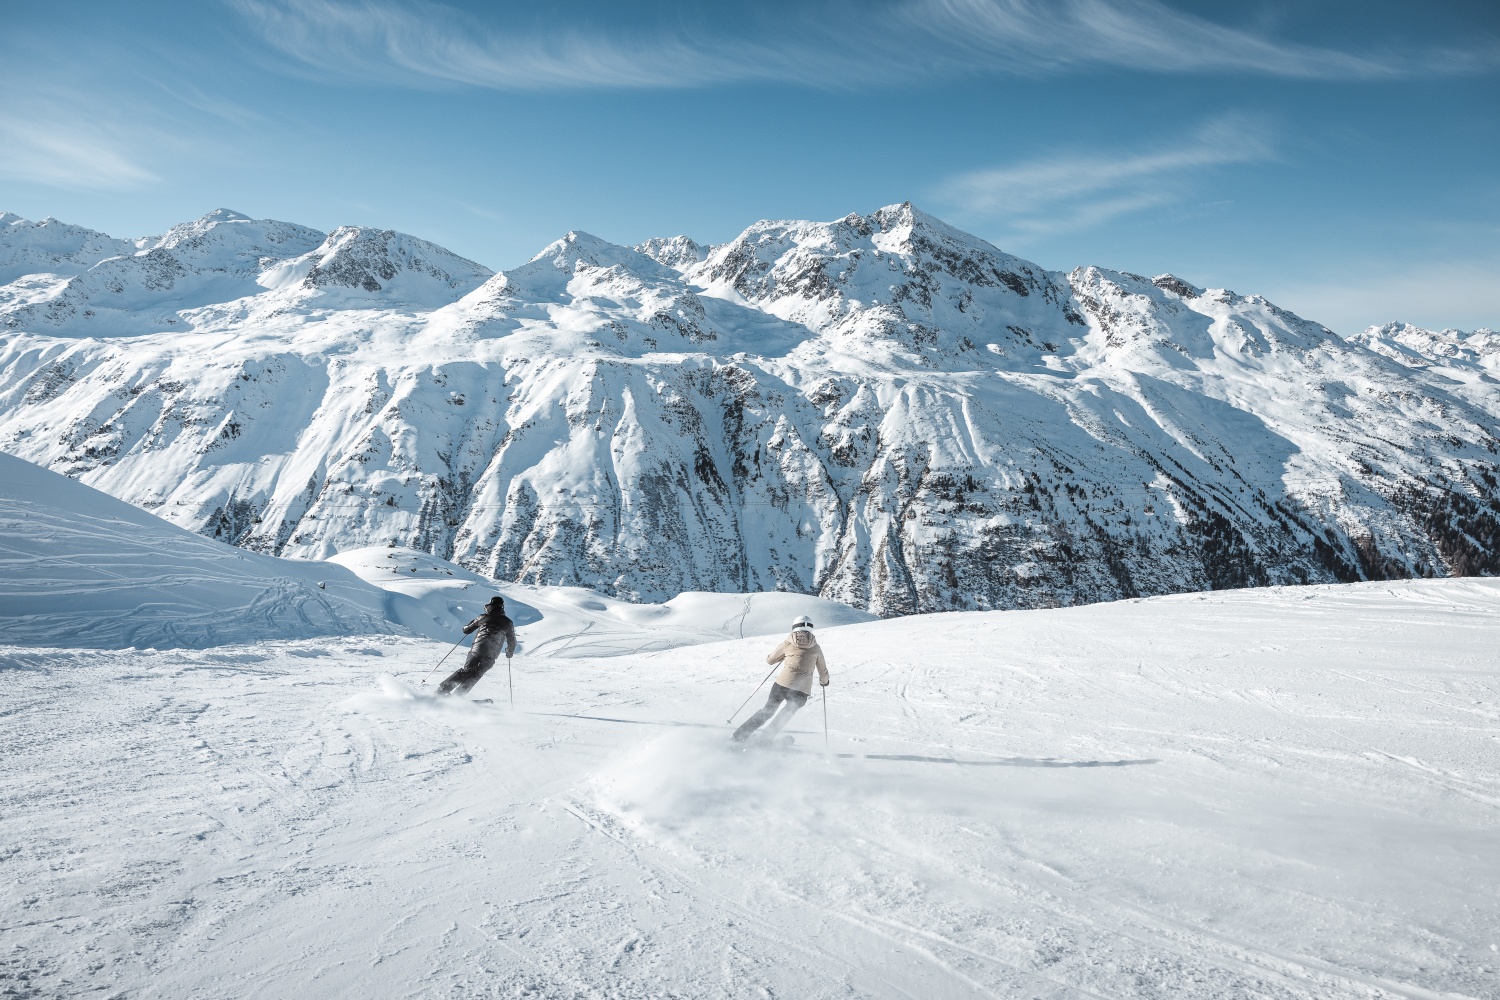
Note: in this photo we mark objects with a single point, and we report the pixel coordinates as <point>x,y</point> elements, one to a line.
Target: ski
<point>763,743</point>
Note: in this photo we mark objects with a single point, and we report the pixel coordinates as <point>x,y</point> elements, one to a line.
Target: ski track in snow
<point>1272,794</point>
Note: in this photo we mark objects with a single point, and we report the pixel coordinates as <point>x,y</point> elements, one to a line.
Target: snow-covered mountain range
<point>881,410</point>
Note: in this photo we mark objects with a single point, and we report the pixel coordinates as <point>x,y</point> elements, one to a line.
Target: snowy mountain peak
<point>897,287</point>
<point>51,247</point>
<point>354,260</point>
<point>108,287</point>
<point>907,217</point>
<point>676,252</point>
<point>578,247</point>
<point>858,256</point>
<point>596,296</point>
<point>1166,323</point>
<point>227,242</point>
<point>1415,347</point>
<point>1175,285</point>
<point>234,226</point>
<point>548,273</point>
<point>208,220</point>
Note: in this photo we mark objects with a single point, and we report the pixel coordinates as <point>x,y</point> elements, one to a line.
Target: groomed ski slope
<point>1273,794</point>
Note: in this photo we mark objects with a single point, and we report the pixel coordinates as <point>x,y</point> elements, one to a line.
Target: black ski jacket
<point>494,629</point>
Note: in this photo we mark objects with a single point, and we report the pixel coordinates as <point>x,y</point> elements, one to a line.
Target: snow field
<point>434,597</point>
<point>80,568</point>
<point>1274,793</point>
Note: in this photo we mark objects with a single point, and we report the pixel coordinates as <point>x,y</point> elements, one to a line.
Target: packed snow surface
<point>1275,793</point>
<point>80,568</point>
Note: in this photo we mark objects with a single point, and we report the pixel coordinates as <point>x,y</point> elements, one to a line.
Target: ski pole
<point>440,662</point>
<point>752,695</point>
<point>825,718</point>
<point>510,681</point>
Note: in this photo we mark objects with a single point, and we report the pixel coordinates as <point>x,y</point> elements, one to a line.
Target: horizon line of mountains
<point>882,410</point>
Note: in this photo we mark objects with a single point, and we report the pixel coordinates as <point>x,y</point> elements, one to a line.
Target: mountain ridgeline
<point>881,410</point>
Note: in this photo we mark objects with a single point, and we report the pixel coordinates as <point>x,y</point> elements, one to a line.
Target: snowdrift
<point>80,568</point>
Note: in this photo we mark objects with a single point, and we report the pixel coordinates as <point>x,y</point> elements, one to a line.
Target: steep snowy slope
<point>79,568</point>
<point>880,410</point>
<point>1274,794</point>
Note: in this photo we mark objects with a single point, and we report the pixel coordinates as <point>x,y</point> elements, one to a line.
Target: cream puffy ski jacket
<point>798,654</point>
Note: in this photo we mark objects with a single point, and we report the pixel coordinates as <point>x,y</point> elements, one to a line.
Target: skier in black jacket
<point>495,630</point>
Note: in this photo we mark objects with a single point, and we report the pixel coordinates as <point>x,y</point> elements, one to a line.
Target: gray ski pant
<point>783,698</point>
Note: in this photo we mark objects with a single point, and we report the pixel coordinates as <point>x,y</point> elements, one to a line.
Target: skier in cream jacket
<point>798,654</point>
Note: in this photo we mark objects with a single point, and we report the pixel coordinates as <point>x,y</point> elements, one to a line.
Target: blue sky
<point>1340,158</point>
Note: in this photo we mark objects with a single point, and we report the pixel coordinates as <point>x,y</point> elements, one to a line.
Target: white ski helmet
<point>802,622</point>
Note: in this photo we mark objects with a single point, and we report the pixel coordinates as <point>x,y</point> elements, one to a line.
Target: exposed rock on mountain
<point>221,259</point>
<point>881,410</point>
<point>404,269</point>
<point>675,251</point>
<point>52,247</point>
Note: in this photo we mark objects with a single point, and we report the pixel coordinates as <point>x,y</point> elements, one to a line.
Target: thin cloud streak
<point>1084,215</point>
<point>432,43</point>
<point>218,107</point>
<point>53,145</point>
<point>83,139</point>
<point>838,46</point>
<point>1072,192</point>
<point>1132,34</point>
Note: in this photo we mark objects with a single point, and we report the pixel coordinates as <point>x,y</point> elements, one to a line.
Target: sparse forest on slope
<point>880,410</point>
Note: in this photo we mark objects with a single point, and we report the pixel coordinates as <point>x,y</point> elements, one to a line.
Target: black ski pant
<point>476,665</point>
<point>783,698</point>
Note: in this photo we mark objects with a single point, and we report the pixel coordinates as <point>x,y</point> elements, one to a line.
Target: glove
<point>824,683</point>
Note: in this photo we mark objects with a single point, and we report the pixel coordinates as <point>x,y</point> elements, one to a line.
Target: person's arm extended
<point>822,668</point>
<point>778,654</point>
<point>471,626</point>
<point>510,638</point>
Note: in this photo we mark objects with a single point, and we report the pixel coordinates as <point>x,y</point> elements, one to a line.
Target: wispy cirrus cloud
<point>84,134</point>
<point>830,44</point>
<point>55,142</point>
<point>1031,36</point>
<point>421,42</point>
<point>1073,191</point>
